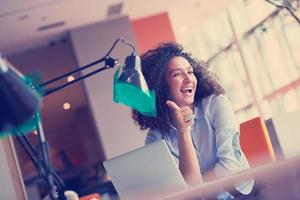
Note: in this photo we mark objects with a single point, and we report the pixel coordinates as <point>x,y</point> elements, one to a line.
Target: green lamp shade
<point>131,89</point>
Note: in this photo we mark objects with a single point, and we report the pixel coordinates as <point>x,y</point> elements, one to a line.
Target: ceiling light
<point>70,78</point>
<point>50,26</point>
<point>67,106</point>
<point>23,17</point>
<point>114,9</point>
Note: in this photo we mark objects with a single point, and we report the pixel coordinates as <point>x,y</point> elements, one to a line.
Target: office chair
<point>257,147</point>
<point>255,142</point>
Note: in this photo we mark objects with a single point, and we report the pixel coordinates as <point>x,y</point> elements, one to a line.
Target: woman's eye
<point>191,72</point>
<point>176,74</point>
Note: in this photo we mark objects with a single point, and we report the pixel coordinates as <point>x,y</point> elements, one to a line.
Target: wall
<point>12,186</point>
<point>117,131</point>
<point>151,30</point>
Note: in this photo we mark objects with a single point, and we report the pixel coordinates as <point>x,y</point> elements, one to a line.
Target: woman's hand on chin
<point>183,117</point>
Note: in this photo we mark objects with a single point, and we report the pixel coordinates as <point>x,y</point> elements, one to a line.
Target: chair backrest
<point>255,142</point>
<point>287,132</point>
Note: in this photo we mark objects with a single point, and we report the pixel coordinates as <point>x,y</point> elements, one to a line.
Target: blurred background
<point>252,45</point>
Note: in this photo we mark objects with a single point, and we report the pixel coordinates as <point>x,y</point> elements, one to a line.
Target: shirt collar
<point>196,111</point>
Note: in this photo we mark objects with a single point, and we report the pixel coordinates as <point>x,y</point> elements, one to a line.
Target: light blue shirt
<point>215,136</point>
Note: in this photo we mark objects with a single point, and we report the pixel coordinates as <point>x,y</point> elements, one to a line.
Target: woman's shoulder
<point>209,102</point>
<point>154,132</point>
<point>153,135</point>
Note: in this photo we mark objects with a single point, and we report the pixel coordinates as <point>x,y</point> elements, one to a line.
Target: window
<point>263,75</point>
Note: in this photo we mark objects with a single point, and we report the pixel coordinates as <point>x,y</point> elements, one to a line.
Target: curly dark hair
<point>154,67</point>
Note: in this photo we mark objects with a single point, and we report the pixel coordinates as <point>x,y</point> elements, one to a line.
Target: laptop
<point>149,172</point>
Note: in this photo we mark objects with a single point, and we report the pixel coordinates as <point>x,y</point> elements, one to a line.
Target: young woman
<point>193,116</point>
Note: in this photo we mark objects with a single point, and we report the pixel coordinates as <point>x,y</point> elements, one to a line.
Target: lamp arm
<point>71,72</point>
<point>124,42</point>
<point>109,63</point>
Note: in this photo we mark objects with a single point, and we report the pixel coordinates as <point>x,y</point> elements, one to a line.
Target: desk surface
<point>277,181</point>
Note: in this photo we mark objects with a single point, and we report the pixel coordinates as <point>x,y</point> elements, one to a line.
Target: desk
<point>276,181</point>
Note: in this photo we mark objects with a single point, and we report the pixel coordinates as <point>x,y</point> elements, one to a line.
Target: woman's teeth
<point>186,91</point>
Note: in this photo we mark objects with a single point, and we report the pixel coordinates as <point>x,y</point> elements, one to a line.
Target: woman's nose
<point>187,77</point>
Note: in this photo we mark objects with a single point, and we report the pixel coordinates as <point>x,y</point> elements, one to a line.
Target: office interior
<point>253,46</point>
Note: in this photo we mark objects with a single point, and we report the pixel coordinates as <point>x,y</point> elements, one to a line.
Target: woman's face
<point>181,81</point>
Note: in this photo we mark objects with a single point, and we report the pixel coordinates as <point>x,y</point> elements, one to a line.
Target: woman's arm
<point>188,162</point>
<point>229,153</point>
<point>231,158</point>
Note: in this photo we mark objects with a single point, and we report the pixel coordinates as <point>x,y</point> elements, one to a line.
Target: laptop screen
<point>145,173</point>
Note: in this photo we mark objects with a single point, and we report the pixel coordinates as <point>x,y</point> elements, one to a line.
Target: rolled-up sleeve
<point>231,159</point>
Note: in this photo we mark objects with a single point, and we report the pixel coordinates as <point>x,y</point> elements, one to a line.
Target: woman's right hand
<point>183,117</point>
<point>188,162</point>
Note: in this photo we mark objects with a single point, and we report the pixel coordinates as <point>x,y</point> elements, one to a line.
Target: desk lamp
<point>20,103</point>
